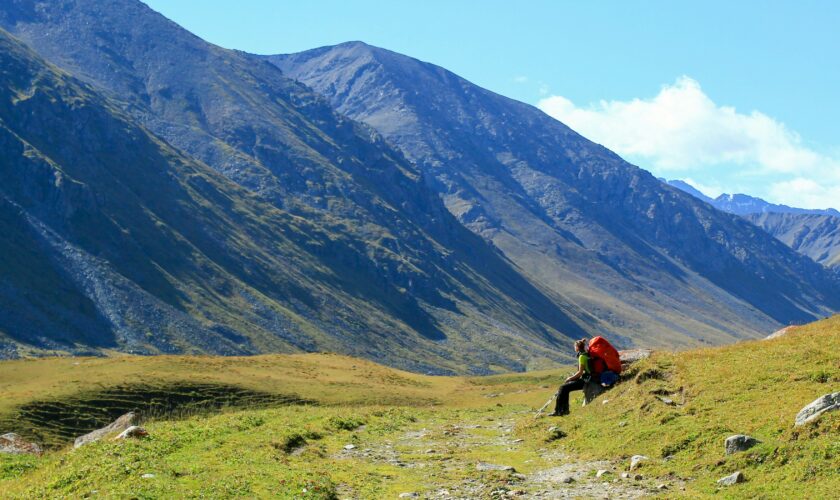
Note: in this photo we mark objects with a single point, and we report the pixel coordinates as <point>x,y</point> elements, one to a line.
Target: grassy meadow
<point>347,428</point>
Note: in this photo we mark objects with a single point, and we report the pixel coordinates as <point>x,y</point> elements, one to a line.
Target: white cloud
<point>808,193</point>
<point>711,190</point>
<point>682,130</point>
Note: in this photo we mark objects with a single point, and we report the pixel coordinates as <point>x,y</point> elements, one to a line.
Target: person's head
<point>580,345</point>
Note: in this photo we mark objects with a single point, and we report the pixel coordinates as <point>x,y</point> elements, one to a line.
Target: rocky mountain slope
<point>648,260</point>
<point>119,241</point>
<point>815,233</point>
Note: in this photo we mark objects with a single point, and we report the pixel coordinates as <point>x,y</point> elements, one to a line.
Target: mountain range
<point>815,233</point>
<point>162,194</point>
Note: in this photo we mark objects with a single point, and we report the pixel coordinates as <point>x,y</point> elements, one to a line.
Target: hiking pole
<point>539,412</point>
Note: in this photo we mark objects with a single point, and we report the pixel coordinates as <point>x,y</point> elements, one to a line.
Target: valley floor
<point>359,430</point>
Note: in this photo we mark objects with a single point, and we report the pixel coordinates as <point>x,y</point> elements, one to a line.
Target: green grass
<point>428,433</point>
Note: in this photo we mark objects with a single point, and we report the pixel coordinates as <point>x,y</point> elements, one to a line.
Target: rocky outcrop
<point>823,404</point>
<point>13,444</point>
<point>637,460</point>
<point>631,356</point>
<point>739,442</point>
<point>135,431</point>
<point>121,424</point>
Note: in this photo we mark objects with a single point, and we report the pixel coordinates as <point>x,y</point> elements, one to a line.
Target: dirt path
<point>468,461</point>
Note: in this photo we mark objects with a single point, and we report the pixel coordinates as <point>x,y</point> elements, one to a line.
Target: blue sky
<point>734,96</point>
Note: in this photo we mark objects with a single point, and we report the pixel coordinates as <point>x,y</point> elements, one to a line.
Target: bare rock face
<point>739,442</point>
<point>15,445</point>
<point>823,404</point>
<point>119,425</point>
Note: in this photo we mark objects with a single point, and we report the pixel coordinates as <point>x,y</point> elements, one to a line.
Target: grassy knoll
<point>412,433</point>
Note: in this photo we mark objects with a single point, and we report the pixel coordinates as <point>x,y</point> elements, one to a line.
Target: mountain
<point>814,235</point>
<point>649,261</point>
<point>688,188</point>
<point>118,241</point>
<point>743,204</point>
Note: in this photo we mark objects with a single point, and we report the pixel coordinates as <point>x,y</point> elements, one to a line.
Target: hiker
<point>575,382</point>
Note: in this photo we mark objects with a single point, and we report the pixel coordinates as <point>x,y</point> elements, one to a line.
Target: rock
<point>601,472</point>
<point>555,433</point>
<point>667,401</point>
<point>605,401</point>
<point>349,446</point>
<point>622,424</point>
<point>731,479</point>
<point>823,404</point>
<point>409,495</point>
<point>630,356</point>
<point>13,444</point>
<point>118,425</point>
<point>147,476</point>
<point>636,461</point>
<point>591,390</point>
<point>517,441</point>
<point>739,442</point>
<point>430,451</point>
<point>567,479</point>
<point>484,466</point>
<point>637,477</point>
<point>662,486</point>
<point>132,432</point>
<point>625,475</point>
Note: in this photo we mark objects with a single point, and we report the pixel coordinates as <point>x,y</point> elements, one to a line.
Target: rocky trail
<point>468,460</point>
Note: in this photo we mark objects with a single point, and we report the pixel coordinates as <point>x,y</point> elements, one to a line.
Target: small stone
<point>636,461</point>
<point>662,486</point>
<point>605,401</point>
<point>622,424</point>
<point>625,475</point>
<point>638,477</point>
<point>732,479</point>
<point>739,442</point>
<point>410,494</point>
<point>134,431</point>
<point>823,404</point>
<point>429,451</point>
<point>147,476</point>
<point>601,472</point>
<point>349,446</point>
<point>567,479</point>
<point>667,401</point>
<point>484,466</point>
<point>517,441</point>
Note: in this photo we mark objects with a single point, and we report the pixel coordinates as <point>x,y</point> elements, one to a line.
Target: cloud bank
<point>681,132</point>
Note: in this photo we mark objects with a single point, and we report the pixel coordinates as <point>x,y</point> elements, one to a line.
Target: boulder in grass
<point>823,404</point>
<point>732,479</point>
<point>630,356</point>
<point>739,442</point>
<point>15,445</point>
<point>135,431</point>
<point>118,425</point>
<point>636,461</point>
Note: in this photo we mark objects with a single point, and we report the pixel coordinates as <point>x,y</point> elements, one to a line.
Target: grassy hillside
<point>413,433</point>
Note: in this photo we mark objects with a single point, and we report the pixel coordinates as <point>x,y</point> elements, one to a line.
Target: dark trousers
<point>561,407</point>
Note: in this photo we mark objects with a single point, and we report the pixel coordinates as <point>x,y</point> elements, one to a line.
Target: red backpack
<point>603,354</point>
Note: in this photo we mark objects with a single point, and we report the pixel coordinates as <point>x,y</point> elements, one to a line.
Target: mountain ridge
<point>535,188</point>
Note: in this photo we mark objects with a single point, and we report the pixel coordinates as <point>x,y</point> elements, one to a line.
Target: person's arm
<point>579,374</point>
